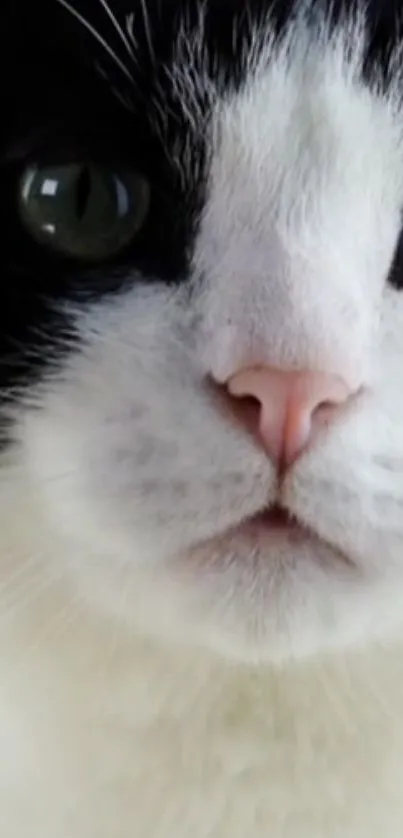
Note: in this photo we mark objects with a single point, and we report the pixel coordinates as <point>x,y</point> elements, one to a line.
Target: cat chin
<point>248,595</point>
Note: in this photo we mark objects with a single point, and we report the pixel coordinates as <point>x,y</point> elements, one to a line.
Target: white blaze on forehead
<point>302,214</point>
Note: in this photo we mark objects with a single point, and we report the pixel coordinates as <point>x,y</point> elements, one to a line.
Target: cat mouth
<point>279,521</point>
<point>277,516</point>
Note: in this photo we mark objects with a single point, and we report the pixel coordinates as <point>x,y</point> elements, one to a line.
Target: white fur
<point>164,674</point>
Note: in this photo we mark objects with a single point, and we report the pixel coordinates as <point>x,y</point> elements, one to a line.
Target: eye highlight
<point>83,210</point>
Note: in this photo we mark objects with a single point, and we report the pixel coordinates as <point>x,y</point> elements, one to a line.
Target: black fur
<point>55,105</point>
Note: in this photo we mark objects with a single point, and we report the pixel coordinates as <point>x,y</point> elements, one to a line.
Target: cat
<point>201,403</point>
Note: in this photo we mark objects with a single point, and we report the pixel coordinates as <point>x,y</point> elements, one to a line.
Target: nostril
<point>325,412</point>
<point>328,410</point>
<point>244,412</point>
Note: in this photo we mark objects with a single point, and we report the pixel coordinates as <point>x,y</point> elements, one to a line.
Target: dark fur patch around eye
<point>395,277</point>
<point>66,95</point>
<point>60,108</point>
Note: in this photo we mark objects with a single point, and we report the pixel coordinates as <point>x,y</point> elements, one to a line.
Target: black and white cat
<point>201,389</point>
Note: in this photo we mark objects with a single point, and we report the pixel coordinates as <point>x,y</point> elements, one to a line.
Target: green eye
<point>84,211</point>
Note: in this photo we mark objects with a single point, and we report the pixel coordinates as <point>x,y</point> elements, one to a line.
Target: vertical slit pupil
<point>83,191</point>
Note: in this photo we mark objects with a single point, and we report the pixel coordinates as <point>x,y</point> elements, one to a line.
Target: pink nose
<point>292,406</point>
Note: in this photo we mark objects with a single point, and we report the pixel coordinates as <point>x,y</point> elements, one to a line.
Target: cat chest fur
<point>158,743</point>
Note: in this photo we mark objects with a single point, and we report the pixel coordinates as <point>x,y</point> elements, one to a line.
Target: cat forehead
<point>307,134</point>
<point>181,59</point>
<point>312,104</point>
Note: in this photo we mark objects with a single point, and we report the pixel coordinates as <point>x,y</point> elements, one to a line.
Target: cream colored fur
<point>106,735</point>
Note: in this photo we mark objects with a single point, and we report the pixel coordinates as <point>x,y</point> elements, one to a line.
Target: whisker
<point>122,99</point>
<point>98,38</point>
<point>118,28</point>
<point>130,30</point>
<point>147,29</point>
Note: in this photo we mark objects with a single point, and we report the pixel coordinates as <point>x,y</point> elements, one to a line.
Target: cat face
<point>187,192</point>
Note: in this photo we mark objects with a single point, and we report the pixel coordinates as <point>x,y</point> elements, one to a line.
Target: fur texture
<point>169,667</point>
